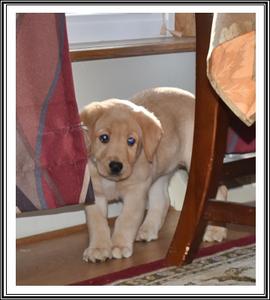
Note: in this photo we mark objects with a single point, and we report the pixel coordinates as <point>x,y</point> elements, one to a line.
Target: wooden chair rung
<point>238,168</point>
<point>229,212</point>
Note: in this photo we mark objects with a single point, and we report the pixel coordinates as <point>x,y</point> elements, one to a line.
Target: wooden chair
<point>207,168</point>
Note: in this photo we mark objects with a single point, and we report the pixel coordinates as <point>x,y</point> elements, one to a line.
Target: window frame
<point>95,28</point>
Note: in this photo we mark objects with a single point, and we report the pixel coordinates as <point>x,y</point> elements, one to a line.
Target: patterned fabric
<point>232,267</point>
<point>50,151</point>
<point>231,63</point>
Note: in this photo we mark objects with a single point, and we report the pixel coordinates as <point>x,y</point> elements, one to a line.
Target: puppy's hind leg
<point>217,233</point>
<point>159,203</point>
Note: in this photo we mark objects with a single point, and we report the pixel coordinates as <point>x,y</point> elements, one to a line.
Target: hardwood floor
<point>56,259</point>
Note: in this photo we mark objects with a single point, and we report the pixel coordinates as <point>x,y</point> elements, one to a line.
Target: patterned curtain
<point>231,71</point>
<point>231,63</point>
<point>240,138</point>
<point>51,159</point>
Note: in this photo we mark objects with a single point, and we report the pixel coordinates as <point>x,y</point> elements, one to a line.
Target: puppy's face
<point>117,132</point>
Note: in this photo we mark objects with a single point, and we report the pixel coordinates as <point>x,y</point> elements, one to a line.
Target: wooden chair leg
<point>211,124</point>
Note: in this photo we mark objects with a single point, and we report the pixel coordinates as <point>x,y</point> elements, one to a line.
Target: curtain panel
<point>231,63</point>
<point>51,157</point>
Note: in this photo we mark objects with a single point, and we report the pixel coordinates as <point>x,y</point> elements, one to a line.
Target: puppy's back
<point>164,101</point>
<point>172,106</point>
<point>175,109</point>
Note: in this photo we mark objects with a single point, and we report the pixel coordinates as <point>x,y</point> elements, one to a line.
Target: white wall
<point>122,77</point>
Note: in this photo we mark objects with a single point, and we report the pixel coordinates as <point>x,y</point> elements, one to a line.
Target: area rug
<point>229,263</point>
<point>231,267</point>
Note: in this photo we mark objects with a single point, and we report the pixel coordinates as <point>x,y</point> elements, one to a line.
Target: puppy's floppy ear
<point>89,115</point>
<point>151,130</point>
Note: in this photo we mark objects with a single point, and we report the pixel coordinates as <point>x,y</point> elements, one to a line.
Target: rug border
<point>155,265</point>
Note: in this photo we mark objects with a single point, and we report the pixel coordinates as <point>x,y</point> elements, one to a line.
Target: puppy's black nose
<point>115,167</point>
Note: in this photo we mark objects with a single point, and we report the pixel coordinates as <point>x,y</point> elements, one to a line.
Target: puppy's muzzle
<point>115,167</point>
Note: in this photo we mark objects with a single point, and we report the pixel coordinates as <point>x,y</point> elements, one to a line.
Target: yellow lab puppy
<point>135,147</point>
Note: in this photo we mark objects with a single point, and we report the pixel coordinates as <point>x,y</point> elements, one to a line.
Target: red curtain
<point>51,158</point>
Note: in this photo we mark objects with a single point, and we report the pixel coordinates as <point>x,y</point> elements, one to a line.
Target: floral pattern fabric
<point>231,63</point>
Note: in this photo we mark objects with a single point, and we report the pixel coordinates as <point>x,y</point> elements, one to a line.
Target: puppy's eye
<point>131,141</point>
<point>104,138</point>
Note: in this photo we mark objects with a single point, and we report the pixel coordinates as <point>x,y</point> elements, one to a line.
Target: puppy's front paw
<point>97,254</point>
<point>147,233</point>
<point>121,252</point>
<point>215,233</point>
